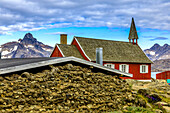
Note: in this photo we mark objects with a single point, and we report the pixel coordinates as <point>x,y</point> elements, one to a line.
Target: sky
<point>100,19</point>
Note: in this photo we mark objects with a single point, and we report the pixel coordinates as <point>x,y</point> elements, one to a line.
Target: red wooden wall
<point>134,68</point>
<point>56,53</point>
<point>163,75</point>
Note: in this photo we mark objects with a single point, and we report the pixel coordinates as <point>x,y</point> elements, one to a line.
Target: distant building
<point>124,56</point>
<point>164,75</point>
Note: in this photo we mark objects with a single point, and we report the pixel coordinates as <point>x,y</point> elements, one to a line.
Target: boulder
<point>143,92</point>
<point>162,104</point>
<point>152,98</point>
<point>167,109</point>
<point>158,111</point>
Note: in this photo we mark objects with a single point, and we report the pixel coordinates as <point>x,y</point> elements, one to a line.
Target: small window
<point>124,68</point>
<point>110,65</point>
<point>143,68</point>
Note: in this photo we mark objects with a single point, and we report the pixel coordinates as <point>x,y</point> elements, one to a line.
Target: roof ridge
<point>101,39</point>
<point>65,44</point>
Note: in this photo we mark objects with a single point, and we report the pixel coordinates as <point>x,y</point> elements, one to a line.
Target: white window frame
<point>143,68</point>
<point>124,68</point>
<point>109,65</point>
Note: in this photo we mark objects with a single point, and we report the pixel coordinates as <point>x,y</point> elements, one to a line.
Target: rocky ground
<point>155,93</point>
<point>71,88</point>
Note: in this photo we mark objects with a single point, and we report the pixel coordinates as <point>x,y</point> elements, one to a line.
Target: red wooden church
<point>124,56</point>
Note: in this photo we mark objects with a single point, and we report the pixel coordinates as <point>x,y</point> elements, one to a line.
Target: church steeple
<point>133,33</point>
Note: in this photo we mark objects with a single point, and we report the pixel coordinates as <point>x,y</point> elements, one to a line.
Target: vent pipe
<point>99,56</point>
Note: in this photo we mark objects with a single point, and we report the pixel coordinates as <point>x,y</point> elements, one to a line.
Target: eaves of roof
<point>52,61</point>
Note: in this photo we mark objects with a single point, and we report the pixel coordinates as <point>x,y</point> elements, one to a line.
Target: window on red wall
<point>110,65</point>
<point>143,68</point>
<point>124,68</point>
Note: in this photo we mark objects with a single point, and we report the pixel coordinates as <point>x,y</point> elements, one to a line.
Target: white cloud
<point>5,33</point>
<point>30,15</point>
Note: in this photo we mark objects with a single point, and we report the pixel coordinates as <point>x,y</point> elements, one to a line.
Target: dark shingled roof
<point>70,50</point>
<point>5,63</point>
<point>133,33</point>
<point>21,64</point>
<point>115,51</point>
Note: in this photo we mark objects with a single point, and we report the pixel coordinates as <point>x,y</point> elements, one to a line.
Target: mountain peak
<point>26,47</point>
<point>155,46</point>
<point>29,39</point>
<point>165,45</point>
<point>28,35</point>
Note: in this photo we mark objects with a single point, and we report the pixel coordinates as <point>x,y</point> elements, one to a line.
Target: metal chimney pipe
<point>99,56</point>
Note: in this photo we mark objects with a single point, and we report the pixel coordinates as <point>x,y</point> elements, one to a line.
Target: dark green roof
<point>114,51</point>
<point>70,50</point>
<point>133,33</point>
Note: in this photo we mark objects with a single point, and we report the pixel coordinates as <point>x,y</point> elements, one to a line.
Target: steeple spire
<point>133,33</point>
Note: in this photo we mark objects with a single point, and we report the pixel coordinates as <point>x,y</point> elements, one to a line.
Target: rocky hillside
<point>157,52</point>
<point>26,47</point>
<point>161,65</point>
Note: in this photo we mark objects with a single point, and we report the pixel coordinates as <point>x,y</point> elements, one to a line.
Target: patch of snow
<point>3,57</point>
<point>46,49</point>
<point>31,46</point>
<point>11,49</point>
<point>19,41</point>
<point>15,48</point>
<point>152,53</point>
<point>10,56</point>
<point>5,52</point>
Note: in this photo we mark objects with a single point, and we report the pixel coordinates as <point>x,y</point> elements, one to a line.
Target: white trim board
<point>53,50</point>
<point>60,51</point>
<point>60,60</point>
<point>82,49</point>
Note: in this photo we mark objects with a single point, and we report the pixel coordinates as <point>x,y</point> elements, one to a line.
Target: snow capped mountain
<point>160,55</point>
<point>157,52</point>
<point>26,47</point>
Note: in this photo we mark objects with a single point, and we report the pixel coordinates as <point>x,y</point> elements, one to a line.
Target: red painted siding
<point>163,75</point>
<point>80,50</point>
<point>56,53</point>
<point>134,68</point>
